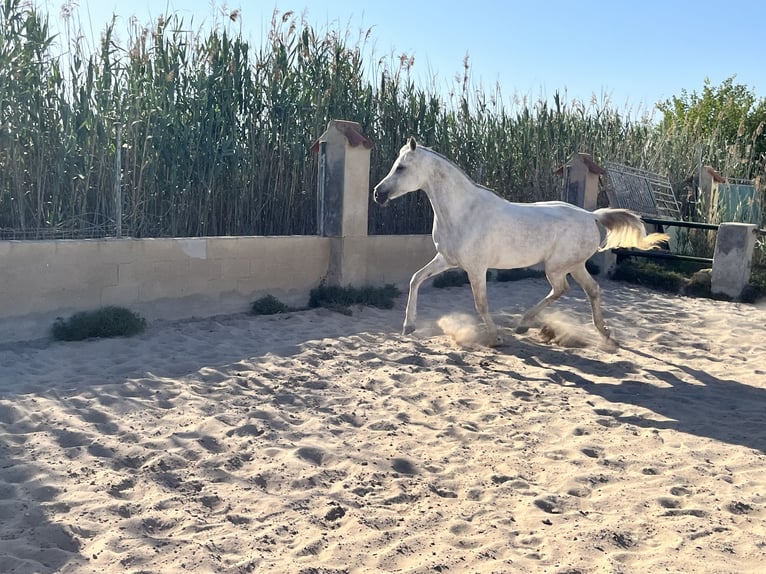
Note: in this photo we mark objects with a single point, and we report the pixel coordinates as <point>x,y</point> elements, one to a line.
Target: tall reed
<point>215,133</point>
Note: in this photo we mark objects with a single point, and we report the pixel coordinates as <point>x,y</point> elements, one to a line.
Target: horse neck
<point>450,191</point>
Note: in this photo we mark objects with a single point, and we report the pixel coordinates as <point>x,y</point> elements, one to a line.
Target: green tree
<point>729,114</point>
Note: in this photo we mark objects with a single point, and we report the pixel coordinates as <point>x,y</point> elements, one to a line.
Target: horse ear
<point>413,143</point>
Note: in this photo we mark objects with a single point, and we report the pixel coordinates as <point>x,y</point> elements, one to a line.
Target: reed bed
<point>197,132</point>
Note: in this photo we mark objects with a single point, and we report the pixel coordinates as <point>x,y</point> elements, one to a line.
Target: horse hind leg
<point>593,291</point>
<point>479,288</point>
<point>559,287</point>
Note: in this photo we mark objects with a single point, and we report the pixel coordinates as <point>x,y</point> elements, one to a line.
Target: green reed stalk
<point>216,133</point>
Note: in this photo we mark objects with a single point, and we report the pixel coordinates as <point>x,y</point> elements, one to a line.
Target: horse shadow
<point>700,404</point>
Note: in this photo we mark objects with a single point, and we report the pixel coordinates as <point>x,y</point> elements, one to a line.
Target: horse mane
<point>457,167</point>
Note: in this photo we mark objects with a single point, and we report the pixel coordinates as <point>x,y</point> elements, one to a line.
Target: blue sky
<point>631,54</point>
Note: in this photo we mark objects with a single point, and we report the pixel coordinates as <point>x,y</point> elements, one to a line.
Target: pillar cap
<point>585,158</point>
<point>352,131</point>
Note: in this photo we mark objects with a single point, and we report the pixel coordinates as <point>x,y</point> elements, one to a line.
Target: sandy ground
<point>318,443</point>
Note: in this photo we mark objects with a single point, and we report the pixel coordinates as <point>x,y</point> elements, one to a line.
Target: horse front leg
<point>437,265</point>
<point>479,288</point>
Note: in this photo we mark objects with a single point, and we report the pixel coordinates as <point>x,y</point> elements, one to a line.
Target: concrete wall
<point>379,259</point>
<point>181,278</point>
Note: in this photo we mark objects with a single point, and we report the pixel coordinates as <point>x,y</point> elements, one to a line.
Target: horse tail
<point>625,228</point>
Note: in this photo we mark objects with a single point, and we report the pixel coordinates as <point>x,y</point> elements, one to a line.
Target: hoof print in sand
<point>312,454</point>
<point>403,466</point>
<point>550,504</point>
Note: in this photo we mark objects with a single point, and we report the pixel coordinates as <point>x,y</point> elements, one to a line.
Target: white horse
<point>476,230</point>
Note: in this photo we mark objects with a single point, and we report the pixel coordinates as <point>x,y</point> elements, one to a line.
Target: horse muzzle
<point>380,196</point>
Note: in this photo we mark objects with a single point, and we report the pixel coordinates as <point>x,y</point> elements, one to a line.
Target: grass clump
<point>756,287</point>
<point>105,322</point>
<point>752,292</point>
<point>650,274</point>
<point>685,278</point>
<point>459,277</point>
<point>341,298</point>
<point>518,274</point>
<point>268,305</point>
<point>679,277</point>
<point>451,279</point>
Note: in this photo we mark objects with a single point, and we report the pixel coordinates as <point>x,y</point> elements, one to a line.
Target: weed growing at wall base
<point>685,278</point>
<point>451,279</point>
<point>269,305</point>
<point>341,298</point>
<point>456,278</point>
<point>652,275</point>
<point>105,322</point>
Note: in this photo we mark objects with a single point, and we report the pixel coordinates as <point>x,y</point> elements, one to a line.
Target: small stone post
<point>732,259</point>
<point>343,190</point>
<point>581,186</point>
<point>581,176</point>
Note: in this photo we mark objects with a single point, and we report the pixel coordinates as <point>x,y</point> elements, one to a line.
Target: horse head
<point>406,175</point>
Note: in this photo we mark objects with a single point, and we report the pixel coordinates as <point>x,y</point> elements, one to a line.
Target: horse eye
<point>400,168</point>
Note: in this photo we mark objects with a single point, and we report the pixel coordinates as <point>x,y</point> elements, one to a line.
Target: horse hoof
<point>610,345</point>
<point>547,333</point>
<point>408,329</point>
<point>521,329</point>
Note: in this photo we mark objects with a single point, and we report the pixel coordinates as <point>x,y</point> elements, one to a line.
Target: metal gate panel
<point>642,191</point>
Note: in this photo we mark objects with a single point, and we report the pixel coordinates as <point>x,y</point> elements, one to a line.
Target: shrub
<point>650,274</point>
<point>450,279</point>
<point>517,274</point>
<point>756,288</point>
<point>268,305</point>
<point>752,293</point>
<point>459,277</point>
<point>340,298</point>
<point>105,322</point>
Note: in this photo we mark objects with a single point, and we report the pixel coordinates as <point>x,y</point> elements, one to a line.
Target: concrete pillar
<point>732,259</point>
<point>606,262</point>
<point>343,198</point>
<point>581,186</point>
<point>581,181</point>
